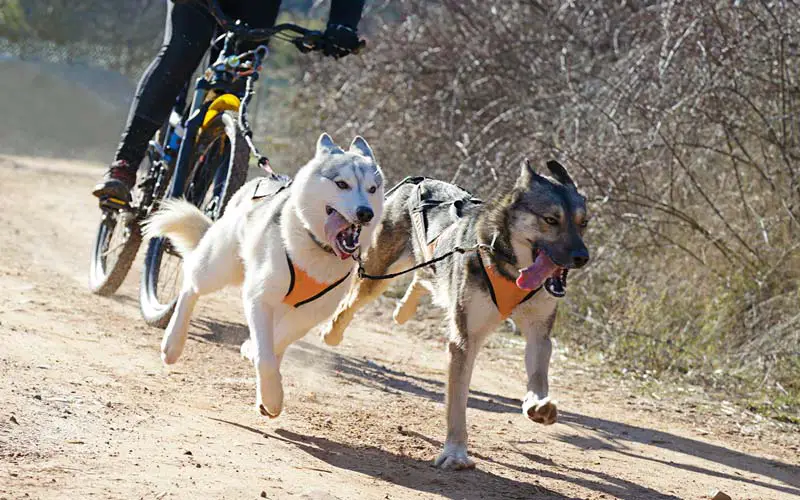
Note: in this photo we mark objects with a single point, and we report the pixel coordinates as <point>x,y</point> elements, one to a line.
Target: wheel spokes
<point>115,242</point>
<point>169,277</point>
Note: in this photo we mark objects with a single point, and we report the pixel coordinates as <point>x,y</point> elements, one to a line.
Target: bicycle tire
<point>158,311</point>
<point>105,278</point>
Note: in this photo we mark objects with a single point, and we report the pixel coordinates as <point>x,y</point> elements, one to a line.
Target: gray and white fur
<point>539,216</point>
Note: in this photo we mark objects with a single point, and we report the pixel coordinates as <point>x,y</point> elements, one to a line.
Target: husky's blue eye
<point>342,185</point>
<point>372,189</point>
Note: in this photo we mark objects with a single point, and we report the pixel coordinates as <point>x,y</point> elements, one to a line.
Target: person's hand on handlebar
<point>340,40</point>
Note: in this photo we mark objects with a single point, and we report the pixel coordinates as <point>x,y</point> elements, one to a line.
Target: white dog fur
<point>249,244</point>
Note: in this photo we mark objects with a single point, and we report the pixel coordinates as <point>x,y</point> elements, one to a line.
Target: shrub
<point>681,122</point>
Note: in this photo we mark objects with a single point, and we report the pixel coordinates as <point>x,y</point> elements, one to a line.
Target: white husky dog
<point>287,243</point>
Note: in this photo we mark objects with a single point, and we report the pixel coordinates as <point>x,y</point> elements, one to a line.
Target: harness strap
<point>431,247</point>
<point>303,288</point>
<point>363,275</point>
<point>407,180</point>
<point>266,188</point>
<point>420,228</point>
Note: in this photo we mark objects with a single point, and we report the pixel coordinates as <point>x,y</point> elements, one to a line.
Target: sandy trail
<point>87,409</point>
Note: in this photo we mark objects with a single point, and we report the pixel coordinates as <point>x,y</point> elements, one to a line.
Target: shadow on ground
<point>404,471</point>
<point>607,434</point>
<point>219,332</point>
<point>613,436</point>
<point>366,372</point>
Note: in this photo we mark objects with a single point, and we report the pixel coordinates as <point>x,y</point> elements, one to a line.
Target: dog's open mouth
<point>341,234</point>
<point>543,270</point>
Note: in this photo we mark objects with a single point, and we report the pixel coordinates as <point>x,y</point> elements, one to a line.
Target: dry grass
<point>682,122</point>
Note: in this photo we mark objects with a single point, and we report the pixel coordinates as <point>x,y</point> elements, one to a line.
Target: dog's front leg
<point>536,323</point>
<point>378,261</point>
<point>462,360</point>
<point>178,328</point>
<point>269,396</point>
<point>408,304</point>
<point>363,292</point>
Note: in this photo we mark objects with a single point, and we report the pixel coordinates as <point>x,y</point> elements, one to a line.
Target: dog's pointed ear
<point>326,145</point>
<point>360,146</point>
<point>560,173</point>
<point>527,174</point>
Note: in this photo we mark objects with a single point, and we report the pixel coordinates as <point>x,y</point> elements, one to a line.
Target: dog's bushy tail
<point>180,221</point>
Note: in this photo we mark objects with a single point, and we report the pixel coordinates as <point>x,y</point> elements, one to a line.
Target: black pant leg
<point>187,35</point>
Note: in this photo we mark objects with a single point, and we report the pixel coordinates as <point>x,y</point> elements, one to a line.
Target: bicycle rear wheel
<point>217,170</point>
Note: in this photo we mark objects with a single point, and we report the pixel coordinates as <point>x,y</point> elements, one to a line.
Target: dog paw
<point>454,458</point>
<point>267,413</point>
<point>271,409</point>
<point>270,392</point>
<point>331,335</point>
<point>170,352</point>
<point>542,411</point>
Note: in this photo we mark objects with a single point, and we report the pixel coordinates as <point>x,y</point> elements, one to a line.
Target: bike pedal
<point>114,204</point>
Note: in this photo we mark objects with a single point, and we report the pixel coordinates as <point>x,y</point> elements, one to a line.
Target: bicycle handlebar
<point>245,32</point>
<point>307,41</point>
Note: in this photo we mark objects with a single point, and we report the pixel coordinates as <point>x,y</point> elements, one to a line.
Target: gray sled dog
<point>288,243</point>
<point>528,241</point>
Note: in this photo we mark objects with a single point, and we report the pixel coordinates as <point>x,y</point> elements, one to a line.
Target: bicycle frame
<point>220,76</point>
<point>193,119</point>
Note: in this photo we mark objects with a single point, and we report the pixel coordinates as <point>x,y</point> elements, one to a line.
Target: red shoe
<point>117,182</point>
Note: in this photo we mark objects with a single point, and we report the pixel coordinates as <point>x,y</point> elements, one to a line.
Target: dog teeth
<point>555,287</point>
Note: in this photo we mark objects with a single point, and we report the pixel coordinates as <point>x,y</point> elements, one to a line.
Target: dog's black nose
<point>364,214</point>
<point>580,257</point>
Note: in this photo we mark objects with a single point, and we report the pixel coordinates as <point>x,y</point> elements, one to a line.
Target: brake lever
<point>302,46</point>
<point>310,42</point>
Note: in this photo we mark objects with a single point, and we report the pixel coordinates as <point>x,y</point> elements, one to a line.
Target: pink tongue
<point>333,226</point>
<point>532,277</point>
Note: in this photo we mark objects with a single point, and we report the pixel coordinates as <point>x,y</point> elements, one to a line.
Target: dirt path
<point>87,409</point>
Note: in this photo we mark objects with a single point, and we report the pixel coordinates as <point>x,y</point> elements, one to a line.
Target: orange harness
<point>303,288</point>
<point>505,293</point>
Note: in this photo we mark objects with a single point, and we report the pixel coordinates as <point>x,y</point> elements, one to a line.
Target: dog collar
<point>323,246</point>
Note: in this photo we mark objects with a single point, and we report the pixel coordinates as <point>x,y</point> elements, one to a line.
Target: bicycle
<point>202,153</point>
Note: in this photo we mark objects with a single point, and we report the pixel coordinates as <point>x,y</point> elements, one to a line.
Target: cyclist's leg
<point>187,35</point>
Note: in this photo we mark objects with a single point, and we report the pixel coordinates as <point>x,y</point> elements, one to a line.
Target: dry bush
<point>680,119</point>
